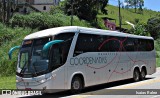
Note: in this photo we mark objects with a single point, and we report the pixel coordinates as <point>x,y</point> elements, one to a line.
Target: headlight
<point>43,80</point>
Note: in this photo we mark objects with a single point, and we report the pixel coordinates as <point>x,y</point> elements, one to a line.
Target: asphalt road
<point>149,88</point>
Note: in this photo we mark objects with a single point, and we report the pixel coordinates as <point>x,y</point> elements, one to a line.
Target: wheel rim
<point>143,74</point>
<point>136,75</point>
<point>76,85</point>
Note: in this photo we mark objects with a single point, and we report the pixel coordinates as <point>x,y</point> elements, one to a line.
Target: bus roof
<point>74,29</point>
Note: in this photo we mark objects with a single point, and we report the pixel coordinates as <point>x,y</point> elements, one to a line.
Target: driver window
<point>56,56</point>
<point>24,59</point>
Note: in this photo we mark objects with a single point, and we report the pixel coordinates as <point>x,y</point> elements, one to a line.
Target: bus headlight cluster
<point>46,79</point>
<point>43,80</point>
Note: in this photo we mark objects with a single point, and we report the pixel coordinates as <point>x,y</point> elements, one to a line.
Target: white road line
<point>157,96</point>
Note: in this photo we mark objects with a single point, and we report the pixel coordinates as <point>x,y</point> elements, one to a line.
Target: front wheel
<point>136,75</point>
<point>76,85</point>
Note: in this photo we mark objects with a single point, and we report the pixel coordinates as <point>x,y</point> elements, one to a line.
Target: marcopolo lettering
<point>87,60</point>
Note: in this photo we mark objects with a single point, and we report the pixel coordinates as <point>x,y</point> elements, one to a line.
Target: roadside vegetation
<point>10,37</point>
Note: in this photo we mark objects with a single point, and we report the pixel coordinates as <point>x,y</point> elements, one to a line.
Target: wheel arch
<point>135,67</point>
<point>143,67</point>
<point>79,74</point>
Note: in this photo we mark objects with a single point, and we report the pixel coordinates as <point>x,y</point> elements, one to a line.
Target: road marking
<point>127,86</point>
<point>155,96</point>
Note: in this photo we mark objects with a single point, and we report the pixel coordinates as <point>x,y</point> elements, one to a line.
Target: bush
<point>56,9</point>
<point>153,26</point>
<point>157,44</point>
<point>45,20</point>
<point>15,36</point>
<point>140,29</point>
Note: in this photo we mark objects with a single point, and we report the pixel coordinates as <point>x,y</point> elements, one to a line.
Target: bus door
<point>56,62</point>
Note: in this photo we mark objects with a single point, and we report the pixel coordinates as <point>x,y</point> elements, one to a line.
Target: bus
<point>73,57</point>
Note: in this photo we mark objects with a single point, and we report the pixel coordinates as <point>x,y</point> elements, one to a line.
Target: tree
<point>153,26</point>
<point>135,3</point>
<point>141,4</point>
<point>85,9</point>
<point>1,12</point>
<point>7,8</point>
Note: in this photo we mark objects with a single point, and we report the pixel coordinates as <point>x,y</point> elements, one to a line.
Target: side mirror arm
<point>11,51</point>
<point>49,44</point>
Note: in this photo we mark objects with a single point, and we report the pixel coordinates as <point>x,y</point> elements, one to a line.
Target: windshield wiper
<point>35,70</point>
<point>23,68</point>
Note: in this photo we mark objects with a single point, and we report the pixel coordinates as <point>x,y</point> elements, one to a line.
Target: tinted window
<point>145,45</point>
<point>129,44</point>
<point>136,44</point>
<point>65,46</point>
<point>106,43</point>
<point>96,43</point>
<point>86,43</point>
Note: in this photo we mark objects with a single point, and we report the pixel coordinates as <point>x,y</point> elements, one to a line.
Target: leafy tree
<point>136,4</point>
<point>85,9</point>
<point>141,4</point>
<point>153,26</point>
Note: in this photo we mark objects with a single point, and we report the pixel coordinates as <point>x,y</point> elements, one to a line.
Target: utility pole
<point>120,22</point>
<point>71,12</point>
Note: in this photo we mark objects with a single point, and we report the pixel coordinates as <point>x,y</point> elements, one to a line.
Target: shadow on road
<point>86,90</point>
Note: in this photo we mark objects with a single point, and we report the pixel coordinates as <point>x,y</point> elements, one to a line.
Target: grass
<point>8,82</point>
<point>158,62</point>
<point>128,15</point>
<point>7,67</point>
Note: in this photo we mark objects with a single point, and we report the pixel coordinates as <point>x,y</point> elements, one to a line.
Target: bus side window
<point>56,56</point>
<point>142,45</point>
<point>129,45</point>
<point>86,43</point>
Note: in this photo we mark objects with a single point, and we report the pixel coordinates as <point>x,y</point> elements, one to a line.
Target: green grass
<point>128,15</point>
<point>8,67</point>
<point>8,82</point>
<point>158,62</point>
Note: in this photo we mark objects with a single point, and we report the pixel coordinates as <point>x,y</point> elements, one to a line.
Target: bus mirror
<point>49,44</point>
<point>11,50</point>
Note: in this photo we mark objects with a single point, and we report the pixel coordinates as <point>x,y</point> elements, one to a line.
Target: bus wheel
<point>136,75</point>
<point>143,74</point>
<point>76,85</point>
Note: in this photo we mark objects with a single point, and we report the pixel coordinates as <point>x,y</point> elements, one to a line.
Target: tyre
<point>76,85</point>
<point>136,75</point>
<point>143,74</point>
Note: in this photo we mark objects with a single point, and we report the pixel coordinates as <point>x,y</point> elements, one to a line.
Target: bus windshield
<point>31,60</point>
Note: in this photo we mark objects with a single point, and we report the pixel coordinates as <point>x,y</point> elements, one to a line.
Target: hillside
<point>129,15</point>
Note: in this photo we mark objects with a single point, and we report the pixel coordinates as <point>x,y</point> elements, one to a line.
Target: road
<point>149,88</point>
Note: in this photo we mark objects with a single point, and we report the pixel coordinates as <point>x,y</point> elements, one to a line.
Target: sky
<point>149,4</point>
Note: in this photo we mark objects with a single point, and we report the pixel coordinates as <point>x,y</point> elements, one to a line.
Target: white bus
<point>75,57</point>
